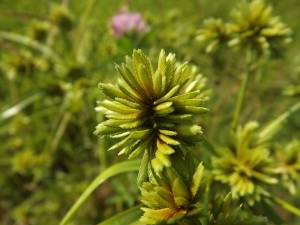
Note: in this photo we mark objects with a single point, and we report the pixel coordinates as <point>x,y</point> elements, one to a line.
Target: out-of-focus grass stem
<point>286,206</point>
<point>102,146</point>
<point>242,91</point>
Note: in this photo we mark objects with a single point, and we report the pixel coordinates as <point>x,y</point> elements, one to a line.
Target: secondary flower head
<point>214,33</point>
<point>128,23</point>
<point>255,27</point>
<point>245,168</point>
<point>172,198</point>
<point>152,110</point>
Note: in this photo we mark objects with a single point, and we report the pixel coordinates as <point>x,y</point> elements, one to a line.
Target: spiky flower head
<point>246,168</point>
<point>172,197</point>
<point>255,27</point>
<point>221,215</point>
<point>152,110</point>
<point>214,33</point>
<point>289,164</point>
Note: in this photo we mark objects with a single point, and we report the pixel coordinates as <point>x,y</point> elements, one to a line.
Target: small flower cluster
<point>126,23</point>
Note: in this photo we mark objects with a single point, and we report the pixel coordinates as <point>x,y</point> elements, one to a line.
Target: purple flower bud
<point>126,23</point>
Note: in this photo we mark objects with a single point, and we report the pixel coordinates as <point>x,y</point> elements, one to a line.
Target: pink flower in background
<point>126,23</point>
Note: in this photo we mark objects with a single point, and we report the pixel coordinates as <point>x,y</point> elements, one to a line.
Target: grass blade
<point>129,216</point>
<point>123,167</point>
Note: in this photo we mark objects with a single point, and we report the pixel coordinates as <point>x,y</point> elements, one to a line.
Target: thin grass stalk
<point>242,91</point>
<point>287,206</point>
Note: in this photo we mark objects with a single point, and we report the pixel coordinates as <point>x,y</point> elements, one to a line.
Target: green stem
<point>242,92</point>
<point>60,131</point>
<point>286,206</point>
<point>267,131</point>
<point>82,24</point>
<point>13,90</point>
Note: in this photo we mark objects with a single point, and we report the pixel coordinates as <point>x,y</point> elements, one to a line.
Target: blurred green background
<point>48,89</point>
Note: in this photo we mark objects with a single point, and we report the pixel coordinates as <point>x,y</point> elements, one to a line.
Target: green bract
<point>172,197</point>
<point>152,110</point>
<point>244,167</point>
<point>220,214</point>
<point>255,27</point>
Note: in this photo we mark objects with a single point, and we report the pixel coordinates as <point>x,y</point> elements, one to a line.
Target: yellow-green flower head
<point>152,110</point>
<point>172,199</point>
<point>289,164</point>
<point>245,168</point>
<point>214,33</point>
<point>255,27</point>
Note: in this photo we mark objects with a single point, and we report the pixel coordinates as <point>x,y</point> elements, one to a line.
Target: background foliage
<point>48,89</point>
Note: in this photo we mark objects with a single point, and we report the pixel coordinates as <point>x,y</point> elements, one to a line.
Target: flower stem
<point>242,91</point>
<point>286,206</point>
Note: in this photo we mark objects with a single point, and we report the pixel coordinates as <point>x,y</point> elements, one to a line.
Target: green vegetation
<point>53,55</point>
